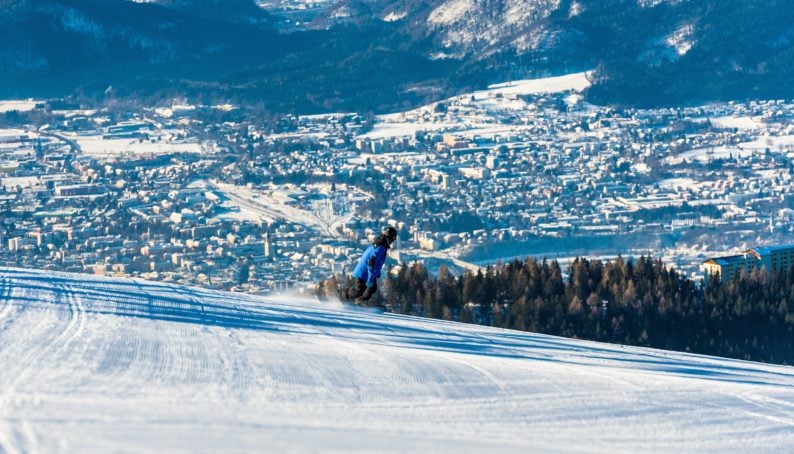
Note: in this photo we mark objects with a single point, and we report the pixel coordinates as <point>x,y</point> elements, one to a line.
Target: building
<point>72,190</point>
<point>726,267</point>
<point>768,258</point>
<point>775,257</point>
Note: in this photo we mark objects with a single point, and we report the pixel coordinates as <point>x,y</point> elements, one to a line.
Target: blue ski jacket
<point>371,262</point>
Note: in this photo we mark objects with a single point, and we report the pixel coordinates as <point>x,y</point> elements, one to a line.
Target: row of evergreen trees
<point>638,302</point>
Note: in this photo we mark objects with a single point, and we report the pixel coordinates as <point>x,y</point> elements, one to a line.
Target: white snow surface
<point>19,105</point>
<point>778,144</point>
<point>569,82</point>
<point>395,16</point>
<point>450,12</point>
<point>652,3</point>
<point>738,122</point>
<point>469,24</point>
<point>500,97</point>
<point>98,364</point>
<point>96,145</point>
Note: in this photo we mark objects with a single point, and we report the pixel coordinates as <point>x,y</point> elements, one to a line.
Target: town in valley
<point>230,197</point>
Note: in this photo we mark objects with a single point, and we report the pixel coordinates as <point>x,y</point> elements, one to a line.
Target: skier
<point>368,269</point>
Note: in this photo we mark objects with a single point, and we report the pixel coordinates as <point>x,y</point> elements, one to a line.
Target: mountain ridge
<point>649,53</point>
<point>380,55</point>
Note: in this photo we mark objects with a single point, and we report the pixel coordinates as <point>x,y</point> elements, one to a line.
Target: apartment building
<point>769,258</point>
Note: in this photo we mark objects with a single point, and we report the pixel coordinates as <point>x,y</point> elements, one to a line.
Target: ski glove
<point>370,283</point>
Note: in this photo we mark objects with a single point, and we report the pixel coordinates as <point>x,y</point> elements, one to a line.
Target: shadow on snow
<point>159,301</point>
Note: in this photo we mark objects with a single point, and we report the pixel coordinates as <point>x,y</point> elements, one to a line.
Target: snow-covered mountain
<point>687,49</point>
<point>460,27</point>
<point>363,55</point>
<point>96,364</point>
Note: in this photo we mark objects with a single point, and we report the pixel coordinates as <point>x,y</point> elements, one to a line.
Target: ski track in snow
<point>99,364</point>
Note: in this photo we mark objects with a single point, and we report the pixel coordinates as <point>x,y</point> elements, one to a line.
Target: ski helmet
<point>390,233</point>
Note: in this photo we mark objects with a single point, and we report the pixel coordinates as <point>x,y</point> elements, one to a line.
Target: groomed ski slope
<point>92,364</point>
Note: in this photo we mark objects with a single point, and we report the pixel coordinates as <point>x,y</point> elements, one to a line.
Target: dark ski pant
<point>359,291</point>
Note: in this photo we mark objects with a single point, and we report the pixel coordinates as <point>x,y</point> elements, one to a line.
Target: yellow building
<point>768,258</point>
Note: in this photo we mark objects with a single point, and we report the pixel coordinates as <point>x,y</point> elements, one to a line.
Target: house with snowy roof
<point>768,258</point>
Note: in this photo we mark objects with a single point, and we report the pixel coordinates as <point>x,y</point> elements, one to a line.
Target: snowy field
<point>739,122</point>
<point>570,82</point>
<point>758,147</point>
<point>504,97</point>
<point>20,106</point>
<point>101,365</point>
<point>99,147</point>
<point>12,134</point>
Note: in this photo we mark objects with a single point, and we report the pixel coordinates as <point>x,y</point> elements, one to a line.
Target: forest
<point>155,52</point>
<point>633,302</point>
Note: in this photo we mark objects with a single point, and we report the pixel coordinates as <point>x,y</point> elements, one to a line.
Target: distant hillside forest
<point>629,302</point>
<point>646,54</point>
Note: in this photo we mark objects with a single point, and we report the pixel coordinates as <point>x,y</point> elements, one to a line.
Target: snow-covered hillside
<point>465,22</point>
<point>477,112</point>
<point>461,28</point>
<point>92,364</point>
